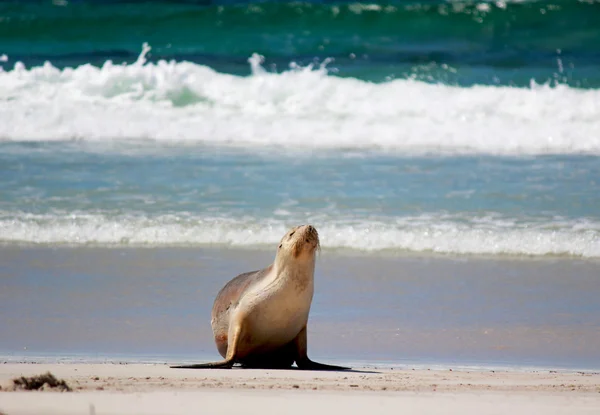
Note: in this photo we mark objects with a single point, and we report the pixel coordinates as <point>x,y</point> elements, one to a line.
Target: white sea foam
<point>297,109</point>
<point>433,233</point>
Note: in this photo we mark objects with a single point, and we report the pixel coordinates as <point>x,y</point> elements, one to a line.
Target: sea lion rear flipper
<point>308,364</point>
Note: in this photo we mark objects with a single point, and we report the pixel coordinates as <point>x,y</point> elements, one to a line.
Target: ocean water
<point>407,126</point>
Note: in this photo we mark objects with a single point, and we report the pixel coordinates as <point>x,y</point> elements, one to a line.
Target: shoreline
<point>59,358</point>
<point>157,389</point>
<point>335,252</point>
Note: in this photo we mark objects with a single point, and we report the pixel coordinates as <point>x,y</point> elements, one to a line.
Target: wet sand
<point>91,302</point>
<point>156,389</point>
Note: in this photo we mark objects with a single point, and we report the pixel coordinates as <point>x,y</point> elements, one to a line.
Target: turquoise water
<point>456,42</point>
<point>58,193</point>
<point>429,127</point>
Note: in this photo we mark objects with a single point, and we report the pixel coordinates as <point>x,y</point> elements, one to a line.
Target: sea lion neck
<point>287,264</point>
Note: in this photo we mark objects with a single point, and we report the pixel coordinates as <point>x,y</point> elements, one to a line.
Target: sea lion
<point>259,318</point>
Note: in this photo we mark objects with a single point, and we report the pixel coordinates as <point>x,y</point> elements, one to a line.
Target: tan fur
<point>259,318</point>
<point>272,304</point>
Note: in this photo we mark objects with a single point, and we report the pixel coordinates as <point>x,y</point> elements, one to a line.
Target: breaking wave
<point>301,108</point>
<point>428,233</point>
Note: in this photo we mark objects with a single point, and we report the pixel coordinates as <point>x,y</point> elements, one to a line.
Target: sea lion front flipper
<point>302,360</point>
<point>223,364</point>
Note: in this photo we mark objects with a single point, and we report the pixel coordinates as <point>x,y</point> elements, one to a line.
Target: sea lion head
<point>300,242</point>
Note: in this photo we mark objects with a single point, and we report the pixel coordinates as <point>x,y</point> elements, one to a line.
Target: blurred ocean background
<point>405,126</point>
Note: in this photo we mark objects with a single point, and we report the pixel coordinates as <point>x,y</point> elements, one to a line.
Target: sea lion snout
<point>299,239</point>
<point>307,237</point>
<point>308,230</point>
<point>312,234</point>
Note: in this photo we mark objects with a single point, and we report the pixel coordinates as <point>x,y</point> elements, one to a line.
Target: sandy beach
<point>137,302</point>
<point>157,389</point>
<point>461,335</point>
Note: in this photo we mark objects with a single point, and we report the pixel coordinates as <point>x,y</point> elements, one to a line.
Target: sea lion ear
<point>280,245</point>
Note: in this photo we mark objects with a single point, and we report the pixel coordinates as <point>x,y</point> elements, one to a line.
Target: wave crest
<point>428,233</point>
<point>304,107</point>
